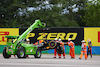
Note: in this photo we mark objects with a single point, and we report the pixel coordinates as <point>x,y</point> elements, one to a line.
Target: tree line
<point>55,13</point>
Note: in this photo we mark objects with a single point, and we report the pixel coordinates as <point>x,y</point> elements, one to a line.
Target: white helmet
<point>27,39</point>
<point>55,38</point>
<point>59,39</point>
<point>83,41</point>
<point>69,39</point>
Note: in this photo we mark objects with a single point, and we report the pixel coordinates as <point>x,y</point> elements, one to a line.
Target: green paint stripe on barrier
<point>1,48</point>
<point>67,49</point>
<point>45,52</point>
<point>77,49</point>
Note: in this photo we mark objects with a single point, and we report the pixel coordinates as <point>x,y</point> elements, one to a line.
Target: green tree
<point>54,17</point>
<point>92,13</point>
<point>56,13</point>
<point>76,10</point>
<point>9,12</point>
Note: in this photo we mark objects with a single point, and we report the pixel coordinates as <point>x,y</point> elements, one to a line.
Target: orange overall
<point>62,44</point>
<point>83,51</point>
<point>71,52</point>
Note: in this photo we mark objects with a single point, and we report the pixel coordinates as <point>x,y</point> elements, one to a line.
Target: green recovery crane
<point>16,45</point>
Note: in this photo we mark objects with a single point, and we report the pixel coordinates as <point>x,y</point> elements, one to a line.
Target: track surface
<point>47,60</point>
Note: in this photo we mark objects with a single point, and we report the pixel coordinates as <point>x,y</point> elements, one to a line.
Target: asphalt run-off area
<point>47,60</point>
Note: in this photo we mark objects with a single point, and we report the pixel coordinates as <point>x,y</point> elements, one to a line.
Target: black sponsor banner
<point>76,34</point>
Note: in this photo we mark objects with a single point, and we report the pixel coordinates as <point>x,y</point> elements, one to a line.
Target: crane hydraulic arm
<point>36,24</point>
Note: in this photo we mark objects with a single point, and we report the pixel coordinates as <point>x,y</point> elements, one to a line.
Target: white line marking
<point>18,64</point>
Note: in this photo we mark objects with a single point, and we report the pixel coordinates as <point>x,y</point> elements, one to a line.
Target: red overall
<point>55,51</point>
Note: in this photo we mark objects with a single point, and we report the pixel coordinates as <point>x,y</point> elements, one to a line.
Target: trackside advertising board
<point>7,31</point>
<point>76,34</point>
<point>93,34</point>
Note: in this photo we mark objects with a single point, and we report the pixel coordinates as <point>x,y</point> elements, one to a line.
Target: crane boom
<point>36,24</point>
